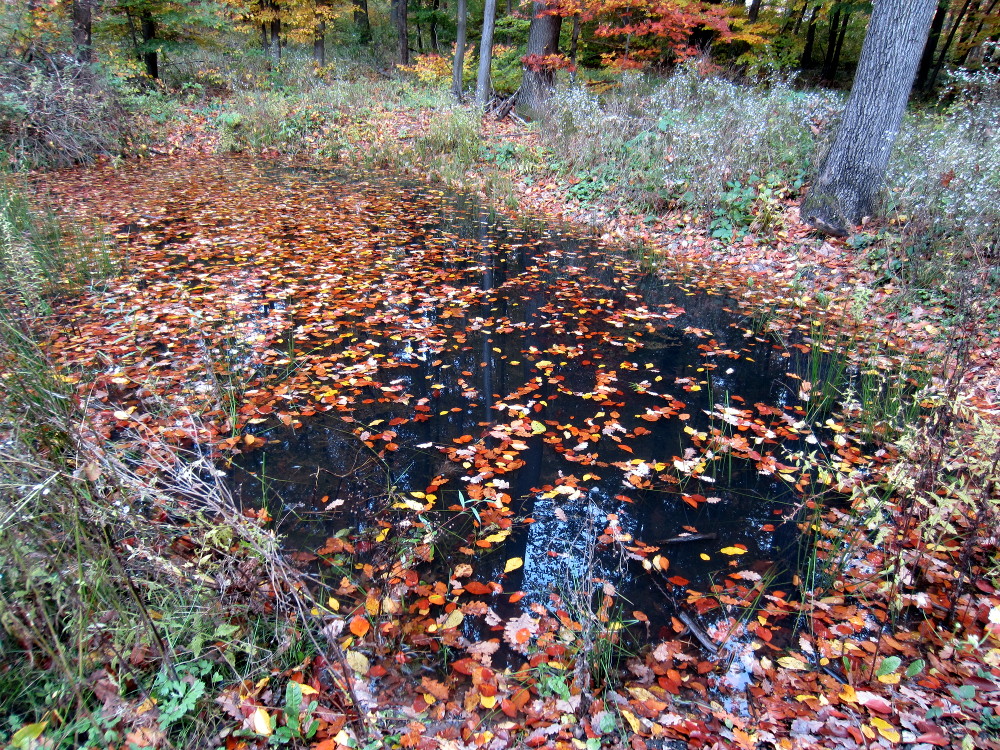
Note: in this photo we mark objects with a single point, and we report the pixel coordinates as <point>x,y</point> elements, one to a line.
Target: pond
<point>382,361</point>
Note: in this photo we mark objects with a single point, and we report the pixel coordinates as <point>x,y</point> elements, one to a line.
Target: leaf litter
<point>258,302</point>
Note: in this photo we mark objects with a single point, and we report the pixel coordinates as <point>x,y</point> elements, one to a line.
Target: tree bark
<point>543,39</point>
<point>947,44</point>
<point>754,11</point>
<point>574,40</point>
<point>831,45</point>
<point>435,42</point>
<point>484,88</point>
<point>399,19</point>
<point>149,56</point>
<point>361,21</point>
<point>458,64</point>
<point>927,58</point>
<point>830,73</point>
<point>82,41</point>
<point>805,62</point>
<point>275,27</point>
<point>319,44</point>
<point>851,177</point>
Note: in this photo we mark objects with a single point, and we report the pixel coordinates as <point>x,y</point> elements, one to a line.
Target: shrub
<point>56,114</point>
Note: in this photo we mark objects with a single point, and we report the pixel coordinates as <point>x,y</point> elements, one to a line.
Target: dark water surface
<point>477,325</point>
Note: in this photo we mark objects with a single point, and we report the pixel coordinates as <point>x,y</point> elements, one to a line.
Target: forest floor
<point>901,648</point>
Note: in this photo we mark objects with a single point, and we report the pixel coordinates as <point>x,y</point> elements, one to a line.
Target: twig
<point>680,538</point>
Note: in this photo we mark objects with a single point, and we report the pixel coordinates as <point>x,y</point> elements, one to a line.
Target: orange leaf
<point>359,626</point>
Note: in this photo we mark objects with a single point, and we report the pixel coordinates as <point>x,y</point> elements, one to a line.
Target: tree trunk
<point>927,58</point>
<point>543,39</point>
<point>275,27</point>
<point>754,11</point>
<point>831,44</point>
<point>82,43</point>
<point>947,45</point>
<point>319,44</point>
<point>805,62</point>
<point>484,89</point>
<point>851,178</point>
<point>399,20</point>
<point>830,74</point>
<point>435,43</point>
<point>574,41</point>
<point>361,21</point>
<point>458,64</point>
<point>149,57</point>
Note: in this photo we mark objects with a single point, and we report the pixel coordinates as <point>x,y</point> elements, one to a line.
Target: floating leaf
<point>733,551</point>
<point>512,564</point>
<point>792,662</point>
<point>454,619</point>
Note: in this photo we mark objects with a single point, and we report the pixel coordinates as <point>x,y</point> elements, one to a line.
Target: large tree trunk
<point>458,64</point>
<point>927,58</point>
<point>361,21</point>
<point>149,56</point>
<point>543,39</point>
<point>82,42</point>
<point>851,177</point>
<point>484,88</point>
<point>754,11</point>
<point>400,20</point>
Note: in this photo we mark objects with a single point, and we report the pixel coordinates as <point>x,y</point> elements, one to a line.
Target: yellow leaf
<point>26,735</point>
<point>889,679</point>
<point>733,551</point>
<point>307,689</point>
<point>454,619</point>
<point>261,722</point>
<point>848,694</point>
<point>537,428</point>
<point>498,537</point>
<point>513,564</point>
<point>885,729</point>
<point>632,721</point>
<point>488,701</point>
<point>790,662</point>
<point>407,504</point>
<point>333,604</point>
<point>357,661</point>
<point>703,556</point>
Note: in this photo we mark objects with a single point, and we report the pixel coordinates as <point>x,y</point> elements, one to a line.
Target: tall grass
<point>686,139</point>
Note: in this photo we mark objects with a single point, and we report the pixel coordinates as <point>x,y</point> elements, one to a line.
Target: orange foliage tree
<point>643,32</point>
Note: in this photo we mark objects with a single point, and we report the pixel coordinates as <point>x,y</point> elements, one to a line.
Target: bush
<point>56,114</point>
